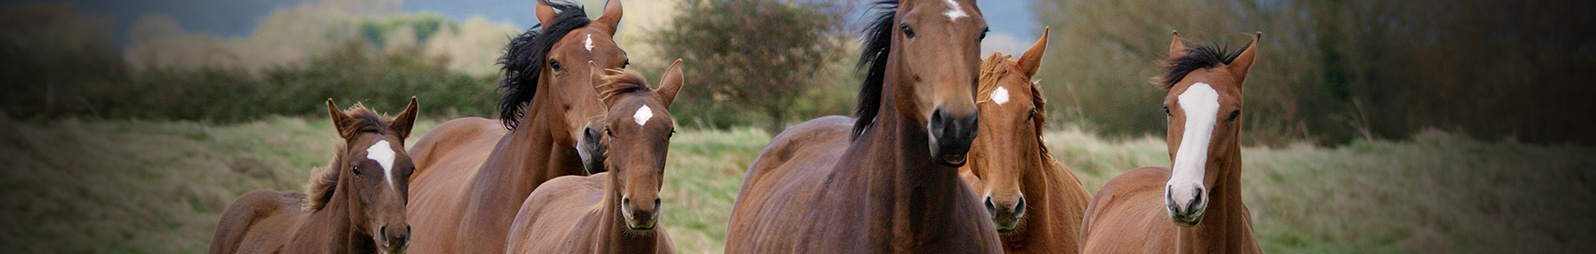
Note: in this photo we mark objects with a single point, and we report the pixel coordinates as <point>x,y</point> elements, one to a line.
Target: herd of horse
<point>576,161</point>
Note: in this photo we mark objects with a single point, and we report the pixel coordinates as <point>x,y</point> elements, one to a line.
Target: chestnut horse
<point>1035,202</point>
<point>472,172</point>
<point>895,187</point>
<point>615,211</point>
<point>356,203</point>
<point>1132,212</point>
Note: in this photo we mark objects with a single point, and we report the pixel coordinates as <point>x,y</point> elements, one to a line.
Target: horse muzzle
<point>950,137</point>
<point>1186,208</point>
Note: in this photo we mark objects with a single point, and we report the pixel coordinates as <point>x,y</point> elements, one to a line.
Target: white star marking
<point>589,43</point>
<point>642,115</point>
<point>954,12</point>
<point>1000,96</point>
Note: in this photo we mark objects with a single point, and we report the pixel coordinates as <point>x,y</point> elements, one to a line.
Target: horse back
<point>549,217</point>
<point>259,221</point>
<point>470,135</point>
<point>446,160</point>
<point>1127,215</point>
<point>783,182</point>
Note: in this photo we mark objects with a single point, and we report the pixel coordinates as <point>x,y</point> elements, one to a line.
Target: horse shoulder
<point>1130,202</point>
<point>255,220</point>
<point>548,218</point>
<point>783,181</point>
<point>446,159</point>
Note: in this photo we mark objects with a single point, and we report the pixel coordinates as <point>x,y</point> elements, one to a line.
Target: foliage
<point>1333,71</point>
<point>50,55</point>
<point>351,73</point>
<point>420,27</point>
<point>752,57</point>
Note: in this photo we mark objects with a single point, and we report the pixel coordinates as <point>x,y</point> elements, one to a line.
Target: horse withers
<point>1035,201</point>
<point>616,211</point>
<point>356,203</point>
<point>472,173</point>
<point>1194,206</point>
<point>895,186</point>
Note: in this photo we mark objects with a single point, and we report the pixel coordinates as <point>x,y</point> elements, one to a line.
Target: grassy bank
<point>158,187</point>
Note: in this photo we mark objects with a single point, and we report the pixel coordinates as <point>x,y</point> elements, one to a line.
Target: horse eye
<point>1233,115</point>
<point>1031,115</point>
<point>608,132</point>
<point>555,65</point>
<point>356,169</point>
<point>907,30</point>
<point>983,33</point>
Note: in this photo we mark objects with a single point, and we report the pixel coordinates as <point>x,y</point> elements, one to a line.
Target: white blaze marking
<point>383,154</point>
<point>1000,96</point>
<point>1201,104</point>
<point>589,43</point>
<point>642,115</point>
<point>954,12</point>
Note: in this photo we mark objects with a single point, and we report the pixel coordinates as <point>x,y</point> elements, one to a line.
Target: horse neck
<point>902,180</point>
<point>333,228</point>
<point>1226,226</point>
<point>611,227</point>
<point>1055,198</point>
<point>528,156</point>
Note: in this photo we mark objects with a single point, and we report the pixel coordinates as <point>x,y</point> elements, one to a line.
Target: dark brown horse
<point>1034,200</point>
<point>472,173</point>
<point>356,203</point>
<point>615,211</point>
<point>895,187</point>
<point>1201,194</point>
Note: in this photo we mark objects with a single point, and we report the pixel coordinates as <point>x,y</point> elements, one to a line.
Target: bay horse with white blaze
<point>615,211</point>
<point>895,187</point>
<point>472,172</point>
<point>1035,201</point>
<point>356,203</point>
<point>1201,193</point>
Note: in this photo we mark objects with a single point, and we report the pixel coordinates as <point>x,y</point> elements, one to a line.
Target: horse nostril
<point>626,201</point>
<point>656,203</point>
<point>1019,207</point>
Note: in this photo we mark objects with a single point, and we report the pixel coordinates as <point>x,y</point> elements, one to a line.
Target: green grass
<point>158,187</point>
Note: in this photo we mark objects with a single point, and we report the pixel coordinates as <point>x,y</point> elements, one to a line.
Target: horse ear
<point>1177,49</point>
<point>598,83</point>
<point>671,83</point>
<point>401,124</point>
<point>612,15</point>
<point>1032,59</point>
<point>337,117</point>
<point>545,13</point>
<point>1243,61</point>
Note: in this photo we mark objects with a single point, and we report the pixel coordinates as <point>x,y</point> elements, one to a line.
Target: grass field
<point>158,187</point>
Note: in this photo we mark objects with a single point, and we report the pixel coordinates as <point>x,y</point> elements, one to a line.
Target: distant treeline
<point>1332,71</point>
<point>1328,71</point>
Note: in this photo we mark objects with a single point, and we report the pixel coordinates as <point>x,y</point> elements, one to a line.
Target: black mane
<point>524,58</point>
<point>873,58</point>
<point>1201,57</point>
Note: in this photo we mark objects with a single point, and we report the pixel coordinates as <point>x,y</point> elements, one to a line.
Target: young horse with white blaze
<point>1035,201</point>
<point>892,183</point>
<point>473,172</point>
<point>356,203</point>
<point>615,211</point>
<point>1195,206</point>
